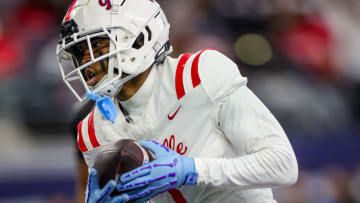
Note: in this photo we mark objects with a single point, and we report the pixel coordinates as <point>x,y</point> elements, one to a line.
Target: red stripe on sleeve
<point>177,196</point>
<point>91,130</point>
<point>179,83</point>
<point>81,143</point>
<point>195,69</point>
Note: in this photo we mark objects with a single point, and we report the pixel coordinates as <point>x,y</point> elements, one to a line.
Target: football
<point>116,159</point>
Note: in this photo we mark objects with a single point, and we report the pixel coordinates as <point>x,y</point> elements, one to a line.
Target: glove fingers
<point>93,179</point>
<point>145,193</point>
<point>141,195</point>
<point>155,147</point>
<point>144,181</point>
<point>133,193</point>
<point>136,173</point>
<point>138,183</point>
<point>108,189</point>
<point>120,199</point>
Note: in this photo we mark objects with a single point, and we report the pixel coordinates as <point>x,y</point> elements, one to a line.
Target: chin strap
<point>165,50</point>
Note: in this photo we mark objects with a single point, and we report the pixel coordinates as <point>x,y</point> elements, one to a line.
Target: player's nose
<point>86,58</point>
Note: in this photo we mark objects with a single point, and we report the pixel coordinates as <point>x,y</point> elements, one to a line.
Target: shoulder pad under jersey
<point>95,131</point>
<point>214,72</point>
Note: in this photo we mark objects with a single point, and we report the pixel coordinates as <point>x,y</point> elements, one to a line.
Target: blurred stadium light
<point>253,49</point>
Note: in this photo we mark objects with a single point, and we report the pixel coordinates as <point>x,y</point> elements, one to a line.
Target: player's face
<point>96,71</point>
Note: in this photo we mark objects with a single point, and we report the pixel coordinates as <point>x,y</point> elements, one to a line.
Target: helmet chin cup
<point>113,87</point>
<point>109,90</point>
<point>106,87</point>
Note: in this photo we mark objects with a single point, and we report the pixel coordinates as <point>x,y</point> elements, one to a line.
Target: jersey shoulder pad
<point>86,138</point>
<point>216,73</point>
<point>95,131</point>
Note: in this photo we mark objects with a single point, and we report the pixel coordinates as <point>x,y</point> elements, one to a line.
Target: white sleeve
<point>265,157</point>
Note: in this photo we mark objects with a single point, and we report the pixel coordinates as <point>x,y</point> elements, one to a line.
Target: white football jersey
<point>199,106</point>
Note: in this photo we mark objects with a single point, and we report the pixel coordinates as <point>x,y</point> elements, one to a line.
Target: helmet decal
<point>106,3</point>
<point>68,13</point>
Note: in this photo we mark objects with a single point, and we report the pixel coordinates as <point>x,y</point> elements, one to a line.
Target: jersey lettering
<point>171,145</point>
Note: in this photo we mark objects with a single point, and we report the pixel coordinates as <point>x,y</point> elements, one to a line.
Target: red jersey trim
<point>177,196</point>
<point>91,130</point>
<point>179,83</point>
<point>81,143</point>
<point>195,77</point>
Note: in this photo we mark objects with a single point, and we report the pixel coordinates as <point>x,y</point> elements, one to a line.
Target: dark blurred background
<point>302,59</point>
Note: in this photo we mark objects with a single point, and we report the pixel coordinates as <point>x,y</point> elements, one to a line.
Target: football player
<point>213,139</point>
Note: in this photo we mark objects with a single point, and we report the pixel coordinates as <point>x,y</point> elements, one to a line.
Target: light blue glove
<point>96,195</point>
<point>169,170</point>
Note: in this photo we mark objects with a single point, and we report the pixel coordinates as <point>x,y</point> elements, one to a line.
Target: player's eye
<point>95,44</point>
<point>81,47</point>
<point>99,45</point>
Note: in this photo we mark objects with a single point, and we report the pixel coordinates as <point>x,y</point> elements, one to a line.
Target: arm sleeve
<point>264,158</point>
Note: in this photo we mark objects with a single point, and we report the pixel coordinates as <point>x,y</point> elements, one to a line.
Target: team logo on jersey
<point>180,149</point>
<point>106,3</point>
<point>170,117</point>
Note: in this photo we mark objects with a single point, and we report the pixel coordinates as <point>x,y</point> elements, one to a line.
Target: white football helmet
<point>137,33</point>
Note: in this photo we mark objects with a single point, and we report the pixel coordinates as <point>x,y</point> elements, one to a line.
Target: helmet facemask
<point>131,49</point>
<point>77,56</point>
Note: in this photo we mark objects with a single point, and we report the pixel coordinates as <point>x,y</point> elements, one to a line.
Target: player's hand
<point>96,195</point>
<point>169,170</point>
